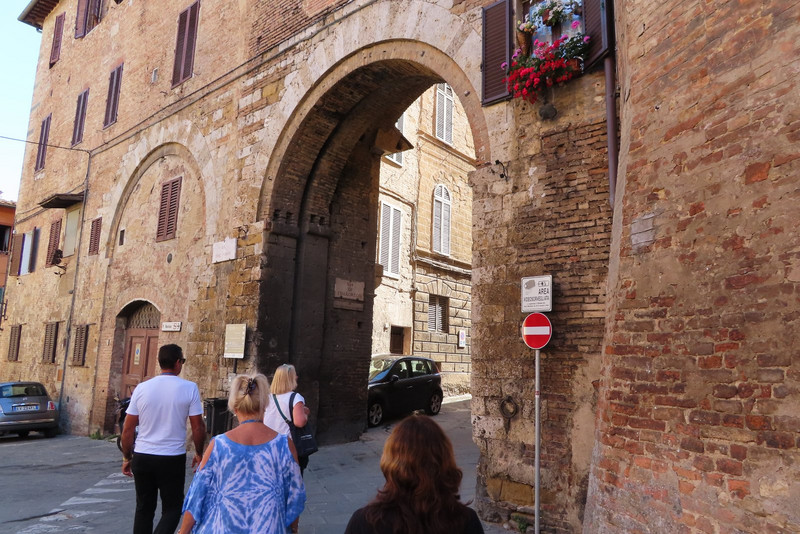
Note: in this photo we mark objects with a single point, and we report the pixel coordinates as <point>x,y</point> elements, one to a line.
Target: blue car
<point>26,406</point>
<point>401,384</point>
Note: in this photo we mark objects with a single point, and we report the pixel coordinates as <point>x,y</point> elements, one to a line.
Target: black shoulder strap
<point>291,405</point>
<point>278,406</point>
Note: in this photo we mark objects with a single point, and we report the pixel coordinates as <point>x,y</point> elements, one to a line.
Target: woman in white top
<point>283,384</point>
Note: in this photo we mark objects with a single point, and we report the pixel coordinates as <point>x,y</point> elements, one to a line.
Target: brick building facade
<point>234,181</point>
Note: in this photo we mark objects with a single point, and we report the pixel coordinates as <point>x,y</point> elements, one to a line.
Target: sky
<point>19,43</point>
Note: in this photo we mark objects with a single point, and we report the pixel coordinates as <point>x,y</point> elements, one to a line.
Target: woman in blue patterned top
<point>249,480</point>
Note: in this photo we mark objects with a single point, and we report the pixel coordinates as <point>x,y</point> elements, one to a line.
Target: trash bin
<point>218,419</point>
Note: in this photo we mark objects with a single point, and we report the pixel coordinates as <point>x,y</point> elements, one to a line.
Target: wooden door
<point>141,357</point>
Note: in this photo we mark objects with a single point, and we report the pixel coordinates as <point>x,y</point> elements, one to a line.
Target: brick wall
<point>698,426</point>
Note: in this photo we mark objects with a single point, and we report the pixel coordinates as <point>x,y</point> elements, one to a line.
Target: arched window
<point>441,220</point>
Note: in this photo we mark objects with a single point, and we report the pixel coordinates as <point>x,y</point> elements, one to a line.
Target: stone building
<point>422,288</point>
<point>220,165</point>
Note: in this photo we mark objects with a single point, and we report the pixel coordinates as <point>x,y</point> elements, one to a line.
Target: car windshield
<point>378,366</point>
<point>22,390</point>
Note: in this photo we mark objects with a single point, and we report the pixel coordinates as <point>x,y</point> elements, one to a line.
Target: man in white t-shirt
<point>159,407</point>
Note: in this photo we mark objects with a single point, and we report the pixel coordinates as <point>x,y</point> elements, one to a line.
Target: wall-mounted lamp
<point>504,174</point>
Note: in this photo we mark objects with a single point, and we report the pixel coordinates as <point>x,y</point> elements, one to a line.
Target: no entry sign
<point>536,330</point>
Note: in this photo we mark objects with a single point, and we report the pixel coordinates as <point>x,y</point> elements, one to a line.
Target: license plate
<point>27,408</point>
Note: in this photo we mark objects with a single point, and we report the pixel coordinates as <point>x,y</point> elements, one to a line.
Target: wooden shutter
<point>395,261</point>
<point>445,228</point>
<point>50,339</point>
<point>598,19</point>
<point>52,243</point>
<point>496,51</point>
<point>185,44</point>
<point>112,101</point>
<point>13,343</point>
<point>444,112</point>
<point>95,11</point>
<point>433,313</point>
<point>16,253</point>
<point>80,117</point>
<point>168,210</point>
<point>44,133</point>
<point>81,340</point>
<point>80,18</point>
<point>58,32</point>
<point>94,236</point>
<point>386,232</point>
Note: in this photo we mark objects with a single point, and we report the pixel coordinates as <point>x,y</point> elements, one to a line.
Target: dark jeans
<point>151,474</point>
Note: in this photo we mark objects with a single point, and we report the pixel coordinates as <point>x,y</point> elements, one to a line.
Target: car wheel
<point>23,433</point>
<point>50,432</point>
<point>375,413</point>
<point>434,403</point>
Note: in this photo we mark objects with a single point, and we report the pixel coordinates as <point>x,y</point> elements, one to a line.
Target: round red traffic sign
<point>536,330</point>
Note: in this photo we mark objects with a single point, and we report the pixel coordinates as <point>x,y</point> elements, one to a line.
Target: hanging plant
<point>550,64</point>
<point>552,12</point>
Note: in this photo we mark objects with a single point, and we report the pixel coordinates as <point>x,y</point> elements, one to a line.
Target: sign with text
<point>235,335</point>
<point>537,293</point>
<point>172,326</point>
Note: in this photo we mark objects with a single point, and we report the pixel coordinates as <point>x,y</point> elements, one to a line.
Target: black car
<point>401,384</point>
<point>26,406</point>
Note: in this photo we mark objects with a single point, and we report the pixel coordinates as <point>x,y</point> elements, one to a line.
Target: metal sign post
<point>536,448</point>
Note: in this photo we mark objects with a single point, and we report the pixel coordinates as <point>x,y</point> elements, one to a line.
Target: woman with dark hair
<point>421,491</point>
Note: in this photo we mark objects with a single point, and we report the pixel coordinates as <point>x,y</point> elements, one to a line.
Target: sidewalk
<point>342,478</point>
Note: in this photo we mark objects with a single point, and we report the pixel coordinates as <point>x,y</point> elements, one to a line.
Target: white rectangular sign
<point>174,326</point>
<point>235,336</point>
<point>537,293</point>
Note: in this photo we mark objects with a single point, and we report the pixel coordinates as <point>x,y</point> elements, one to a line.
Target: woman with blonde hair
<point>249,480</point>
<point>422,483</point>
<point>279,410</point>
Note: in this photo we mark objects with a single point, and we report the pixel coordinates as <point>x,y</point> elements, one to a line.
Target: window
<point>397,157</point>
<point>444,112</point>
<point>71,231</point>
<point>185,44</point>
<point>391,219</point>
<point>89,15</point>
<point>13,343</point>
<point>30,244</point>
<point>44,133</point>
<point>94,236</point>
<point>441,220</point>
<point>50,339</point>
<point>397,340</point>
<point>80,117</point>
<point>496,50</point>
<point>112,102</point>
<point>437,313</point>
<point>168,210</point>
<point>52,244</point>
<point>81,340</point>
<point>58,33</point>
<point>5,239</point>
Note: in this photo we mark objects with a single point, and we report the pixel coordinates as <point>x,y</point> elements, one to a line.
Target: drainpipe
<point>611,126</point>
<point>78,250</point>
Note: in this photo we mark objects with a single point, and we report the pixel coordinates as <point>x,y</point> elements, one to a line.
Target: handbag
<point>302,437</point>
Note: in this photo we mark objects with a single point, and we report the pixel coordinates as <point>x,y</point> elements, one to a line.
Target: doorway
<point>140,360</point>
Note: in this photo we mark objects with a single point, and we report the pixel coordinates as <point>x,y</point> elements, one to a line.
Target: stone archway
<point>321,221</point>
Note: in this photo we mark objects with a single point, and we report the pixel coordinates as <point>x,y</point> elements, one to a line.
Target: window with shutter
<point>41,152</point>
<point>94,236</point>
<point>441,219</point>
<point>16,254</point>
<point>168,209</point>
<point>89,14</point>
<point>80,117</point>
<point>598,18</point>
<point>13,343</point>
<point>30,245</point>
<point>397,157</point>
<point>58,32</point>
<point>496,51</point>
<point>437,313</point>
<point>112,102</point>
<point>444,112</point>
<point>391,225</point>
<point>52,243</point>
<point>185,44</point>
<point>5,238</point>
<point>50,339</point>
<point>81,340</point>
